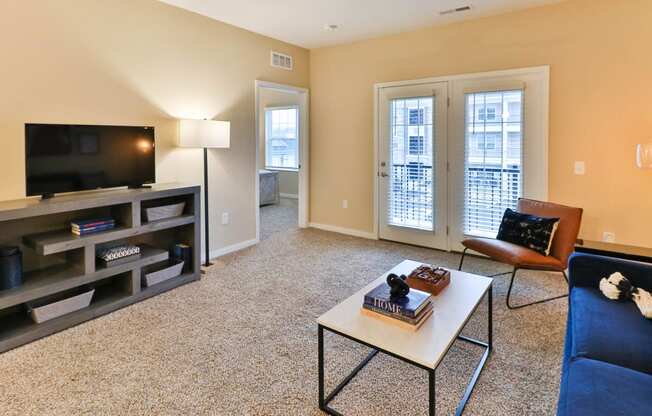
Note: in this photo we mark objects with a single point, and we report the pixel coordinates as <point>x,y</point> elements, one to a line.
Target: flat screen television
<point>67,158</point>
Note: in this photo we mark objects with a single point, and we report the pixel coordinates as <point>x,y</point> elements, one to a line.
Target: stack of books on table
<point>410,311</point>
<point>92,226</point>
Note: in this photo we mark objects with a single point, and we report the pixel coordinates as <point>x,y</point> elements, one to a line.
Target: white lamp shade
<point>204,133</point>
<point>644,156</point>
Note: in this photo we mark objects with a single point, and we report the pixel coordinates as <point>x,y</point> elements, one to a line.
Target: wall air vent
<point>281,60</point>
<point>456,10</point>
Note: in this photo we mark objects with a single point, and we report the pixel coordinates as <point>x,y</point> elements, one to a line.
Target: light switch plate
<point>580,168</point>
<point>345,203</point>
<point>225,218</point>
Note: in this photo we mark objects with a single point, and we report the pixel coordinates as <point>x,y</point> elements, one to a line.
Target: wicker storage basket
<point>54,306</point>
<point>155,274</point>
<point>163,212</point>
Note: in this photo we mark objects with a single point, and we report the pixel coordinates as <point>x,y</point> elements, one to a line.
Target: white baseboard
<point>291,196</point>
<point>342,230</point>
<point>231,249</point>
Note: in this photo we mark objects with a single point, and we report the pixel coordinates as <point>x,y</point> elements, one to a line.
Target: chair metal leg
<point>462,259</point>
<point>509,292</point>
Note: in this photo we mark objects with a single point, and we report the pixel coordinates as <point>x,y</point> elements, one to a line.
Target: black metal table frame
<point>324,401</point>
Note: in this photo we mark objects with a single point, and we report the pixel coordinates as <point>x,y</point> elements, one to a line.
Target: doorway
<point>282,158</point>
<point>452,153</point>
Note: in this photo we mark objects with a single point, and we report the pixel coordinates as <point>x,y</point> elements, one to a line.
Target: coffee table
<point>424,348</point>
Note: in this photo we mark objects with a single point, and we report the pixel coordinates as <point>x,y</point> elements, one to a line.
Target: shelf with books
<point>55,260</point>
<point>61,277</point>
<point>52,242</point>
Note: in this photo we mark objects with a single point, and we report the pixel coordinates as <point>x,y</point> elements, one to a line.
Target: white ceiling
<point>301,22</point>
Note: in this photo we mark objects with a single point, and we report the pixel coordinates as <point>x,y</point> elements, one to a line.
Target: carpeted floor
<point>279,218</point>
<point>243,341</point>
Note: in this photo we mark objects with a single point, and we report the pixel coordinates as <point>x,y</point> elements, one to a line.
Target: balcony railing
<point>488,192</point>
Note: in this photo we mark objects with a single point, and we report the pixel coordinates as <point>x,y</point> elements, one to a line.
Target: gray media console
<point>55,260</point>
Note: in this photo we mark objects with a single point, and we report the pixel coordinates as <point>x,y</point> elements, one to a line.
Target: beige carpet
<point>243,341</point>
<point>279,218</point>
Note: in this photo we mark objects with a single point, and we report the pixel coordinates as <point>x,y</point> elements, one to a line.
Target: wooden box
<point>429,279</point>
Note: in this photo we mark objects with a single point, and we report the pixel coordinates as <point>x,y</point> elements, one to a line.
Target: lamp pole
<point>207,262</point>
<point>204,134</point>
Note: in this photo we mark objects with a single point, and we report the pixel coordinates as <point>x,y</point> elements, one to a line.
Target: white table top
<point>426,346</point>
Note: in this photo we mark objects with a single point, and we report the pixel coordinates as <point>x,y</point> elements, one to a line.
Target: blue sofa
<point>607,367</point>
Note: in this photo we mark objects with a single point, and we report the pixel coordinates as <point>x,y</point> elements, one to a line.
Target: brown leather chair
<point>563,244</point>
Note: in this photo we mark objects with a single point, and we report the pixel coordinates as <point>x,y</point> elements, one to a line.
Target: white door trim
<point>304,148</point>
<point>545,69</point>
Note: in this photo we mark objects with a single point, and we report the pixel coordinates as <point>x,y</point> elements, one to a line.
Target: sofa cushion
<point>608,330</point>
<point>529,231</point>
<point>596,388</point>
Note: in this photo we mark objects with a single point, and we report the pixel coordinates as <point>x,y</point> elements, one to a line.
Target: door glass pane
<point>411,163</point>
<point>493,162</point>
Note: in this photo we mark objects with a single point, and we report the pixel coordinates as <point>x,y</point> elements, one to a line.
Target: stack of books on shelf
<point>410,311</point>
<point>92,226</point>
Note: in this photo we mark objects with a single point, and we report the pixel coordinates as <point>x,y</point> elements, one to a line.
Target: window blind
<point>411,186</point>
<point>493,159</point>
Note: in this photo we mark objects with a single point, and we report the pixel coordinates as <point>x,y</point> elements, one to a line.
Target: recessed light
<point>331,28</point>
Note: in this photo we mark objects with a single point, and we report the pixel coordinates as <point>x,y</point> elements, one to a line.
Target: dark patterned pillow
<point>535,233</point>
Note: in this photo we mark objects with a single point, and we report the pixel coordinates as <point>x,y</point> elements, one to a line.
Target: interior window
<point>281,138</point>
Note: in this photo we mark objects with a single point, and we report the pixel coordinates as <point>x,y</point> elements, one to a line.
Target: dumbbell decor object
<point>398,287</point>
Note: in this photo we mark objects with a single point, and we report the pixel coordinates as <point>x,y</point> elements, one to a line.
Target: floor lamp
<point>205,134</point>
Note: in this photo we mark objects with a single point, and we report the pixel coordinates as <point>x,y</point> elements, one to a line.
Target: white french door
<point>497,150</point>
<point>455,152</point>
<point>412,164</point>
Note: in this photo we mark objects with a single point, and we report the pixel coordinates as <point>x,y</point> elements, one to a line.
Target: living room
<point>504,144</point>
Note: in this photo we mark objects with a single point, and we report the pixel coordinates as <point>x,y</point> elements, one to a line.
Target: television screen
<point>67,158</point>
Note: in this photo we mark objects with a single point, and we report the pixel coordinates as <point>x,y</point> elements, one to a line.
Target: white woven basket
<point>165,211</point>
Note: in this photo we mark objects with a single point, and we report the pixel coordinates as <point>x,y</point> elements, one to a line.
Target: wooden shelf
<point>52,242</point>
<point>59,278</point>
<point>115,286</point>
<point>151,226</point>
<point>18,328</point>
<point>148,255</point>
<point>41,283</point>
<point>63,240</point>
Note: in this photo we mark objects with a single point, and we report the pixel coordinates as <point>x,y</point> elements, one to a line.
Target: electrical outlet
<point>345,203</point>
<point>609,237</point>
<point>580,168</point>
<point>225,218</point>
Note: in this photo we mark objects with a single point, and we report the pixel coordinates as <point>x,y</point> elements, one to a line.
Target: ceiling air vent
<point>281,60</point>
<point>456,10</point>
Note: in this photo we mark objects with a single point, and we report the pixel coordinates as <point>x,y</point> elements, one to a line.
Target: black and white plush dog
<point>617,287</point>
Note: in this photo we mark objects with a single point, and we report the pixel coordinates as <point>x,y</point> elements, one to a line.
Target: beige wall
<point>139,62</point>
<point>600,105</point>
<point>288,184</point>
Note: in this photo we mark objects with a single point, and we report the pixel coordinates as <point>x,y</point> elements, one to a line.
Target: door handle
<point>383,174</point>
